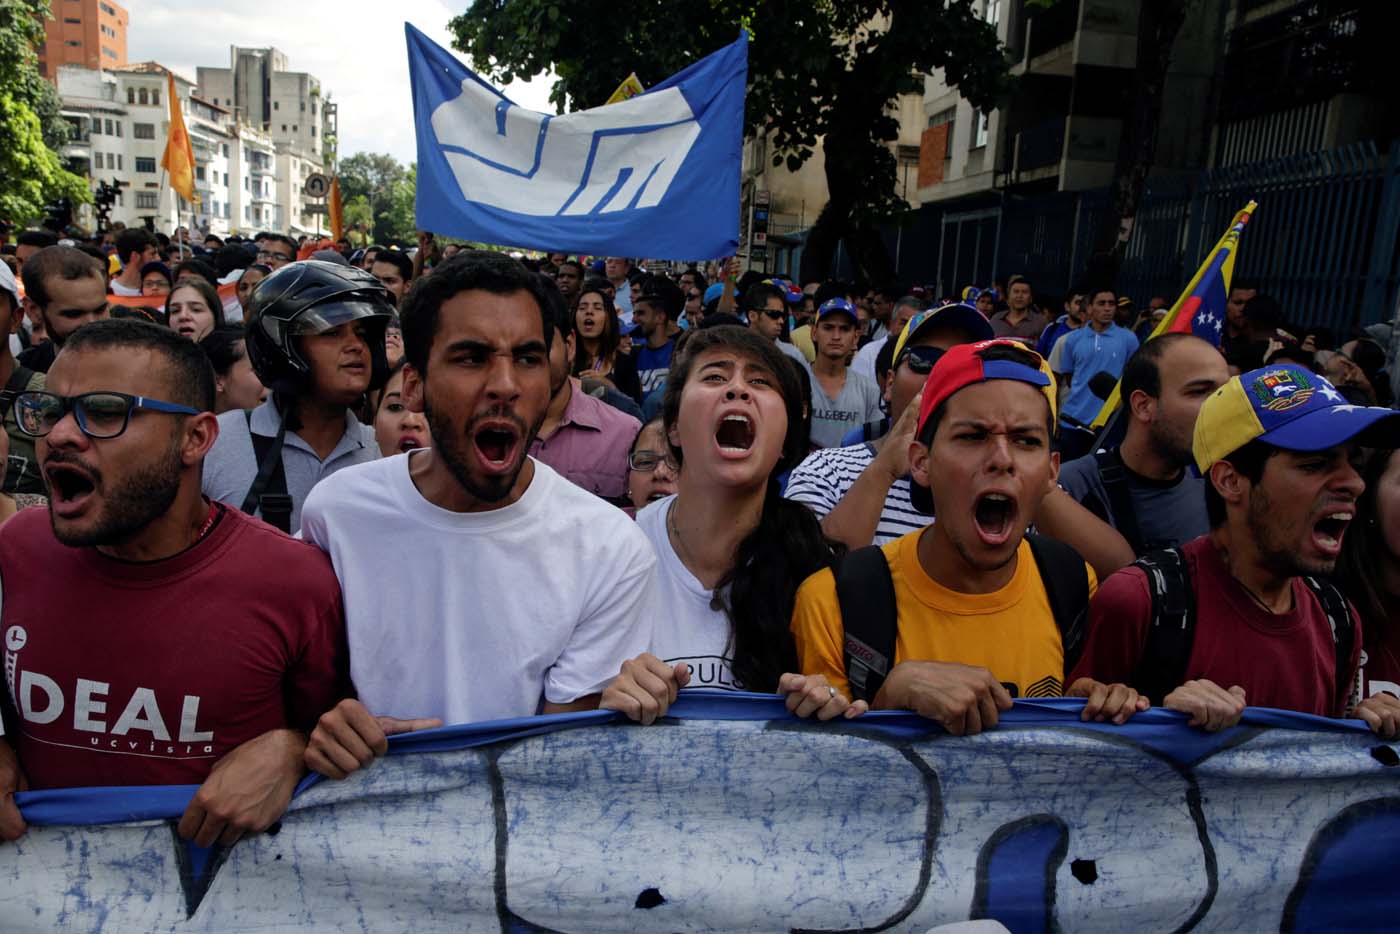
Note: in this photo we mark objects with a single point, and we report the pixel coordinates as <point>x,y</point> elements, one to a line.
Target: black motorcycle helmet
<point>310,297</point>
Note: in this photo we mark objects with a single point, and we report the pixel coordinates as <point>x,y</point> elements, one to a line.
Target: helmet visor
<point>321,318</point>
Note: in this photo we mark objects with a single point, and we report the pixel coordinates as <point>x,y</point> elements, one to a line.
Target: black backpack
<point>1166,651</point>
<point>865,592</point>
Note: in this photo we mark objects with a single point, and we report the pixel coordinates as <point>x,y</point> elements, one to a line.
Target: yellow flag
<point>336,210</point>
<point>179,154</point>
<point>627,89</point>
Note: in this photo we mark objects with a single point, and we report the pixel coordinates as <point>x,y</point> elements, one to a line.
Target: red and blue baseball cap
<point>1285,406</point>
<point>966,365</point>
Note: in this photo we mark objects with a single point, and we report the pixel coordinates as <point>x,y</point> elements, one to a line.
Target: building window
<point>979,129</point>
<point>131,95</point>
<point>109,130</point>
<point>225,179</point>
<point>107,8</point>
<point>226,210</point>
<point>145,96</point>
<point>73,19</point>
<point>276,105</point>
<point>96,126</point>
<point>225,145</point>
<point>147,199</point>
<point>313,132</point>
<point>992,12</point>
<point>155,97</point>
<point>109,53</point>
<point>119,128</point>
<point>143,130</point>
<point>146,164</point>
<point>284,128</point>
<point>247,213</point>
<point>247,185</point>
<point>74,43</point>
<point>199,172</point>
<point>119,161</point>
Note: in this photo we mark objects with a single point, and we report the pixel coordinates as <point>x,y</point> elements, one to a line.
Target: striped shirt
<point>824,477</point>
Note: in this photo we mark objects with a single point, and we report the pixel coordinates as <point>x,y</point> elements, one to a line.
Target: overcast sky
<point>359,58</point>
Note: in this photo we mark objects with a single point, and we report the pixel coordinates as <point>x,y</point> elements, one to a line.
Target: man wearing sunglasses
<point>766,309</point>
<point>136,651</point>
<point>861,492</point>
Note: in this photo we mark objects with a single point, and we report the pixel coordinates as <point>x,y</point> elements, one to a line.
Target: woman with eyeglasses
<point>599,355</point>
<point>731,551</point>
<point>652,469</point>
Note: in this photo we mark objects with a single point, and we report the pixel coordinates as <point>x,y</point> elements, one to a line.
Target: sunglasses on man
<point>920,359</point>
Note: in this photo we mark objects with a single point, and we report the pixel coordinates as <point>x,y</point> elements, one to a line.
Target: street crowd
<point>271,501</point>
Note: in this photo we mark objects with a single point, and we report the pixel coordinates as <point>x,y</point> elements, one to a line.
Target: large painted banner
<point>733,816</point>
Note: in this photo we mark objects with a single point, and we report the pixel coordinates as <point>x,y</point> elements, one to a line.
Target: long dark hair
<point>1359,568</point>
<point>759,591</point>
<point>608,342</point>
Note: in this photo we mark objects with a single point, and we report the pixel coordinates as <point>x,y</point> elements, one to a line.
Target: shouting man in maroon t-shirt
<point>1260,624</point>
<point>151,636</point>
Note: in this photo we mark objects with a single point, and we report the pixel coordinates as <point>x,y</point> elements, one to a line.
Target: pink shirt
<point>591,444</point>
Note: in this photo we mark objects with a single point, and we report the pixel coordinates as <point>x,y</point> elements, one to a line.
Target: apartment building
<point>89,33</point>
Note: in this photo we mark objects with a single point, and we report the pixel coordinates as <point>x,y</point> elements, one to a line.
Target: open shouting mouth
<point>71,486</point>
<point>735,435</point>
<point>994,516</point>
<point>497,442</point>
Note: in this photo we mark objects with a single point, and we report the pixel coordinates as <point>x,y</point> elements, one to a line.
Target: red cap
<point>963,365</point>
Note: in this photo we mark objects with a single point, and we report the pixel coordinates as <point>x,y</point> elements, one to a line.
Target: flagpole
<point>160,193</point>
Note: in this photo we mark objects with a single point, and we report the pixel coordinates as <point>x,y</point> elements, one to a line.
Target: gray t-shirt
<point>231,464</point>
<point>858,403</point>
<point>1168,513</point>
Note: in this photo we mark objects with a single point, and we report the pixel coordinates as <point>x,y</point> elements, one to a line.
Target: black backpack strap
<point>869,618</point>
<point>1166,650</point>
<point>1114,477</point>
<point>1339,618</point>
<point>1066,580</point>
<point>269,489</point>
<point>18,383</point>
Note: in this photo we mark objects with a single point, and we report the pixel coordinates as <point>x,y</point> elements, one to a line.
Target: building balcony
<point>1039,147</point>
<point>1051,28</point>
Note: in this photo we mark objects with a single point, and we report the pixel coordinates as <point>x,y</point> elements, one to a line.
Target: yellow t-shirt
<point>1010,632</point>
<point>802,340</point>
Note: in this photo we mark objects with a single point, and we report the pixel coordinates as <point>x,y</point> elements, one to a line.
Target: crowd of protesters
<point>306,498</point>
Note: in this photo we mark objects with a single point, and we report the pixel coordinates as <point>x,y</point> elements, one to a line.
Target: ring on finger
<point>832,691</point>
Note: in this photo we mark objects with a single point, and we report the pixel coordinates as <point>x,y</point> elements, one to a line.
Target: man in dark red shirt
<point>151,636</point>
<point>1276,446</point>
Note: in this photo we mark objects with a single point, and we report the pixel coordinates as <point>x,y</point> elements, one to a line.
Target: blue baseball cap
<point>714,292</point>
<point>838,306</point>
<point>953,315</point>
<point>1285,406</point>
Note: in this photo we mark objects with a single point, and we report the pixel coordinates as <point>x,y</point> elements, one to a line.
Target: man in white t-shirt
<point>479,584</point>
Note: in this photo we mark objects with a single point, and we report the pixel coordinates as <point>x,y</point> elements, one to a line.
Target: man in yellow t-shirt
<point>975,625</point>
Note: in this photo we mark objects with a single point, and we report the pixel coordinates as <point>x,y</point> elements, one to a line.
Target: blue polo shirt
<point>1085,352</point>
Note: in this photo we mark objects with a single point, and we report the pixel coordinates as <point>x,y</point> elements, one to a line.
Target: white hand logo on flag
<point>518,160</point>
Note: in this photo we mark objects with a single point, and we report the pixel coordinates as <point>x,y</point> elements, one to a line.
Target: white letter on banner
<point>517,160</point>
<point>86,705</point>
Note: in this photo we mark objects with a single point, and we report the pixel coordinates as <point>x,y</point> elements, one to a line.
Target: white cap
<point>8,283</point>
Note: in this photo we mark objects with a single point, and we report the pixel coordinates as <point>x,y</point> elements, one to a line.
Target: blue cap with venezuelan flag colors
<point>1285,406</point>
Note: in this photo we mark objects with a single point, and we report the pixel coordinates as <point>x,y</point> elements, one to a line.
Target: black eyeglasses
<point>647,461</point>
<point>100,415</point>
<point>268,254</point>
<point>920,359</point>
<point>774,315</point>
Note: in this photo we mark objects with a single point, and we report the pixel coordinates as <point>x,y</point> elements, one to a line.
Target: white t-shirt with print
<point>481,616</point>
<point>687,630</point>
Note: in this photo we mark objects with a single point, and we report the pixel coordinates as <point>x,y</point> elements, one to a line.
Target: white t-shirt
<point>864,362</point>
<point>123,291</point>
<point>687,630</point>
<point>481,616</point>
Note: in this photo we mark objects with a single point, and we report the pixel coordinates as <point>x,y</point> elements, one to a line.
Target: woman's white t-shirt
<point>688,630</point>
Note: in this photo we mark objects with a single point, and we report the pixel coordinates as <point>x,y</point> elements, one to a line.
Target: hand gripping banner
<point>732,816</point>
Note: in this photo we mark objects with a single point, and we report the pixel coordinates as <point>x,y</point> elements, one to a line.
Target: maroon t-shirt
<point>1380,662</point>
<point>146,674</point>
<point>1283,660</point>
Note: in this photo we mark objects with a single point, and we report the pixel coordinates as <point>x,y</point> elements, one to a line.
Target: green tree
<point>378,193</point>
<point>31,128</point>
<point>816,70</point>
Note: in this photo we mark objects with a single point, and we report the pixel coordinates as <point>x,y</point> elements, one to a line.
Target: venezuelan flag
<point>1200,310</point>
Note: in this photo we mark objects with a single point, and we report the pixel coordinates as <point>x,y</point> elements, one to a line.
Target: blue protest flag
<point>656,175</point>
